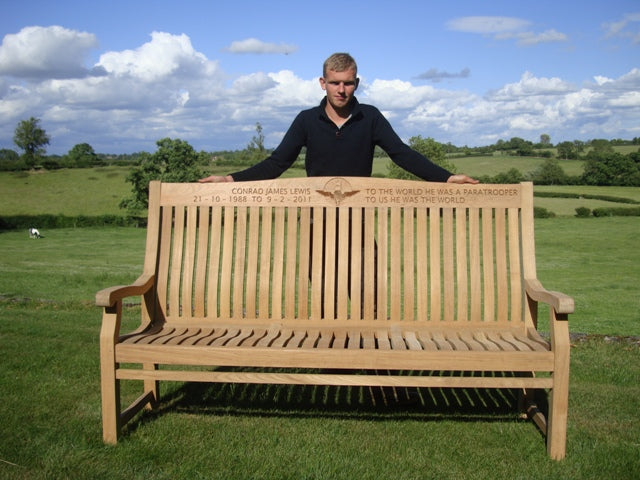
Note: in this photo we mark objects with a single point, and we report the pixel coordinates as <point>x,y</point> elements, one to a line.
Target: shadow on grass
<point>347,402</point>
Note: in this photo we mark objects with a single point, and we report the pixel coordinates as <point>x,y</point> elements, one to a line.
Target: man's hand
<point>216,179</point>
<point>462,179</point>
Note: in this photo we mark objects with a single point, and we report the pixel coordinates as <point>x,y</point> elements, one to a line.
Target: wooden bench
<point>325,280</point>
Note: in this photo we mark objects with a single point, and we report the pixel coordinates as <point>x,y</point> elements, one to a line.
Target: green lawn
<point>50,420</point>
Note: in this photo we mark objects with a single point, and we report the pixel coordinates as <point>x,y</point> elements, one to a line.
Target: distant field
<point>77,191</point>
<point>492,165</point>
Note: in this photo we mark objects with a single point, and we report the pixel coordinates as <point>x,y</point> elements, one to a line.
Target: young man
<point>340,135</point>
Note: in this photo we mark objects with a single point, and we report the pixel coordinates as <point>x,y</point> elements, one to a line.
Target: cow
<point>34,233</point>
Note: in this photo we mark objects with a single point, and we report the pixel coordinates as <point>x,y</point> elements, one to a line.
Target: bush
<point>616,212</point>
<point>583,212</point>
<point>540,212</point>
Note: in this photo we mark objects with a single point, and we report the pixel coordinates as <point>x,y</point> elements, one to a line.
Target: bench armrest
<point>560,302</point>
<point>109,296</point>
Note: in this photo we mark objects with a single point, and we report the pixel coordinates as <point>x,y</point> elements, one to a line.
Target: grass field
<point>49,371</point>
<point>50,420</point>
<point>65,191</point>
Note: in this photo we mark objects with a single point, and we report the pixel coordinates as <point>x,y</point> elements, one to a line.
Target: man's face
<point>340,87</point>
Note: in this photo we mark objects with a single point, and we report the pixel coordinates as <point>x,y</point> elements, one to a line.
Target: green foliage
<point>606,167</point>
<point>174,161</point>
<point>8,155</point>
<point>512,176</point>
<point>583,212</point>
<point>541,212</point>
<point>31,138</point>
<point>550,173</point>
<point>48,221</point>
<point>427,147</point>
<point>567,150</point>
<point>616,212</point>
<point>82,155</point>
<point>10,161</point>
<point>606,198</point>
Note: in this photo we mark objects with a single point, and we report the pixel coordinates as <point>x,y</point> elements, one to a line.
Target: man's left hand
<point>459,178</point>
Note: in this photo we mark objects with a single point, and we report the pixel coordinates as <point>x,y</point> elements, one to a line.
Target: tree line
<point>177,160</point>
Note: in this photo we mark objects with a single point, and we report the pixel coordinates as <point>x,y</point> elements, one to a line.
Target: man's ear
<point>323,84</point>
<point>357,83</point>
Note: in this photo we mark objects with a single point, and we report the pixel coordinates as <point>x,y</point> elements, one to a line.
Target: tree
<point>550,173</point>
<point>611,168</point>
<point>428,147</point>
<point>31,139</point>
<point>601,146</point>
<point>8,155</point>
<point>83,156</point>
<point>545,140</point>
<point>174,161</point>
<point>522,147</point>
<point>567,150</point>
<point>257,141</point>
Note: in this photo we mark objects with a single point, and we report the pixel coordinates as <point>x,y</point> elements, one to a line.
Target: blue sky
<point>120,75</point>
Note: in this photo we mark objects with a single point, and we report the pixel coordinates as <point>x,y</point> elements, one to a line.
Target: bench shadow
<point>325,401</point>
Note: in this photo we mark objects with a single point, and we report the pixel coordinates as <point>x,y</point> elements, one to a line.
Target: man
<point>340,135</point>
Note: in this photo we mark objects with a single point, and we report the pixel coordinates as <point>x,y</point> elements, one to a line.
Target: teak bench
<point>324,281</point>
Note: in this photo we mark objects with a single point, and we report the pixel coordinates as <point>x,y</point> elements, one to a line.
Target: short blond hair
<point>339,62</point>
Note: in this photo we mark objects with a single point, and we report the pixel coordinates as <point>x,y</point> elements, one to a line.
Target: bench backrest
<point>340,249</point>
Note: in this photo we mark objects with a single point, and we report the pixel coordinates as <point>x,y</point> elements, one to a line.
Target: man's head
<point>339,62</point>
<point>339,80</point>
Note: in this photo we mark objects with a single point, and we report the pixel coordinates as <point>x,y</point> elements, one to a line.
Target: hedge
<point>605,198</point>
<point>17,222</point>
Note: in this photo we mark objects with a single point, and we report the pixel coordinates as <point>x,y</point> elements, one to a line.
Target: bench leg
<point>558,408</point>
<point>152,386</point>
<point>559,396</point>
<point>110,404</point>
<point>109,385</point>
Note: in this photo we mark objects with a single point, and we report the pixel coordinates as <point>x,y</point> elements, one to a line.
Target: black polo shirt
<point>341,151</point>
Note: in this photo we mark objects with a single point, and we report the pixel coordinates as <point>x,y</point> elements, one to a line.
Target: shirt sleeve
<point>282,157</point>
<point>404,156</point>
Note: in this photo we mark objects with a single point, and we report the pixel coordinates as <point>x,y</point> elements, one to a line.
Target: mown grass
<point>50,420</point>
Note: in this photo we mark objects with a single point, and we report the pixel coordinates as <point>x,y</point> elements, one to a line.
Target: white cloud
<point>624,28</point>
<point>165,55</point>
<point>253,45</point>
<point>397,94</point>
<point>165,87</point>
<point>46,52</point>
<point>487,24</point>
<point>529,85</point>
<point>627,99</point>
<point>531,38</point>
<point>505,28</point>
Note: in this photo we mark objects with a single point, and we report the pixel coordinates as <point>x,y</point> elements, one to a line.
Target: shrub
<point>583,212</point>
<point>616,212</point>
<point>540,212</point>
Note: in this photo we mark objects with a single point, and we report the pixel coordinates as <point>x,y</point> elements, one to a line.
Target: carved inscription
<point>341,191</point>
<point>252,195</point>
<point>435,195</point>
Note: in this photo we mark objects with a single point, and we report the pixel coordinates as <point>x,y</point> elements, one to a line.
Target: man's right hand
<point>216,179</point>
